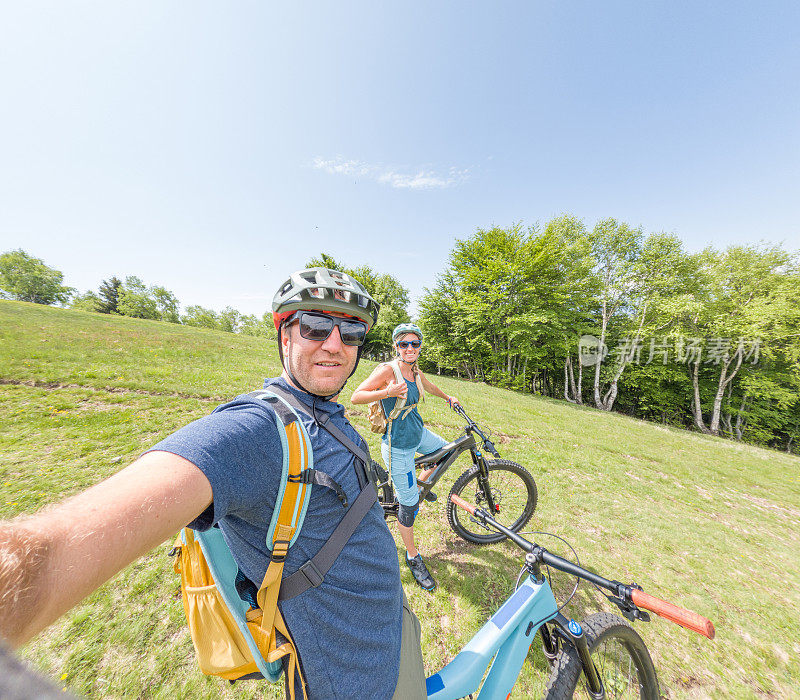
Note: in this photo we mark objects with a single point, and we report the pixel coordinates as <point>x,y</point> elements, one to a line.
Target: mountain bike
<point>502,486</point>
<point>602,655</point>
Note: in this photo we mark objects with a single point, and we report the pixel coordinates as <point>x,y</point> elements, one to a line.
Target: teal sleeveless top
<point>407,427</point>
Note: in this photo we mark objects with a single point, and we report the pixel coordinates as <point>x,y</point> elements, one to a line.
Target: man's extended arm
<point>50,561</point>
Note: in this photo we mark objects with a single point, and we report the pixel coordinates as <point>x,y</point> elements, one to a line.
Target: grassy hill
<point>710,524</point>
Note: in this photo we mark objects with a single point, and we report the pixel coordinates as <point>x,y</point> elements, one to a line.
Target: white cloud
<point>394,177</point>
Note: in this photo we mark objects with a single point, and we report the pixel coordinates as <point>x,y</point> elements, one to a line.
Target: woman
<point>405,435</point>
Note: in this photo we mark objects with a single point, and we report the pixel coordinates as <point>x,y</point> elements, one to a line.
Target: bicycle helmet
<point>404,328</point>
<point>321,289</point>
<point>328,291</point>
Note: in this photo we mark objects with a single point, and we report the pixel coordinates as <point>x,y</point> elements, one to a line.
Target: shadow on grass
<point>486,576</point>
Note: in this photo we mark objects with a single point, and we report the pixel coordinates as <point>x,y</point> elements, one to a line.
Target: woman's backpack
<point>378,420</point>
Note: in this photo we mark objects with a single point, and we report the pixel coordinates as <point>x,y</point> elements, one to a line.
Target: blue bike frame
<point>507,636</point>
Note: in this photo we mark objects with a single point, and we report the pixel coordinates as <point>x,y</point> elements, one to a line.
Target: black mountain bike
<point>504,488</point>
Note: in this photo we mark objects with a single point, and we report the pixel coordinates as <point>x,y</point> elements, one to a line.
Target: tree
<point>200,317</point>
<point>746,296</point>
<point>229,319</point>
<point>27,278</point>
<point>135,300</point>
<point>88,301</point>
<point>509,297</point>
<point>643,281</point>
<point>109,296</point>
<point>166,304</point>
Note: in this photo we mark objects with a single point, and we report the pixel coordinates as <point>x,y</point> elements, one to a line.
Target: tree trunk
<point>697,410</point>
<point>569,380</point>
<point>597,400</point>
<point>724,380</point>
<point>739,426</point>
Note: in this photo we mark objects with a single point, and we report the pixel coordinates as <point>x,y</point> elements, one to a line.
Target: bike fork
<point>483,481</point>
<point>574,633</point>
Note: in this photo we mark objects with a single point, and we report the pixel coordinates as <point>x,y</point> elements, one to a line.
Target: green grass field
<point>709,524</point>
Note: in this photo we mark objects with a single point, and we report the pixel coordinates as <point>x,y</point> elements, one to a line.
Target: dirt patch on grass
<point>54,386</point>
<point>765,505</point>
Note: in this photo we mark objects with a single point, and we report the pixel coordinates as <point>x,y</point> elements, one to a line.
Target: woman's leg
<point>430,442</point>
<point>400,462</point>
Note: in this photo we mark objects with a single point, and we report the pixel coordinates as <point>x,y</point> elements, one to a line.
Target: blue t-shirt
<point>348,630</point>
<point>407,427</point>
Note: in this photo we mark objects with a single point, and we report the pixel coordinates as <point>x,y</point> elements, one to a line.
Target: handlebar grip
<point>462,504</point>
<point>684,618</point>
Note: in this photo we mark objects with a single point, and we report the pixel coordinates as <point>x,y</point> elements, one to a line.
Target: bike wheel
<point>513,490</point>
<point>621,658</point>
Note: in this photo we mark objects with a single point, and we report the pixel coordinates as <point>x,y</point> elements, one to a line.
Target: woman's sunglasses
<point>405,343</point>
<point>315,326</point>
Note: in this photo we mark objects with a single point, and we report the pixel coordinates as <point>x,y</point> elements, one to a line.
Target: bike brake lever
<point>628,608</point>
<point>488,445</point>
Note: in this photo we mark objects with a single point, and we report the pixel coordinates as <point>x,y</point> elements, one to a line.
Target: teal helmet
<point>404,328</point>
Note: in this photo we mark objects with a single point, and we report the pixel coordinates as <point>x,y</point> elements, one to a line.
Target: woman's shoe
<point>420,572</point>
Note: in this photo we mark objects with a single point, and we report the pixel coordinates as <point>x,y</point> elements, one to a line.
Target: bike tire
<point>514,490</point>
<point>621,658</point>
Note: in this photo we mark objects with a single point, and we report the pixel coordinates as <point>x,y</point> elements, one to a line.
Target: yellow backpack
<point>233,640</point>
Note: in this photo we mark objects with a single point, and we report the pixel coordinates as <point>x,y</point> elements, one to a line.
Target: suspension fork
<point>483,479</point>
<point>572,632</point>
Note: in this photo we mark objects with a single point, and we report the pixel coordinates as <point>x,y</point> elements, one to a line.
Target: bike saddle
<point>435,456</point>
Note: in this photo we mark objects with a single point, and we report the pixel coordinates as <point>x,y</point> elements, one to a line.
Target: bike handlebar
<point>487,443</point>
<point>680,616</point>
<point>685,618</point>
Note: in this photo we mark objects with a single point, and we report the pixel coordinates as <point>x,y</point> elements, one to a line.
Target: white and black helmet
<point>321,289</point>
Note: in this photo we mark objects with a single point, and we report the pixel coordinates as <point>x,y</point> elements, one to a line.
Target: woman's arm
<point>431,388</point>
<point>379,385</point>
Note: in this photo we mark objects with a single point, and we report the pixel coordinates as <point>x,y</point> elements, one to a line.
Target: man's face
<point>322,367</point>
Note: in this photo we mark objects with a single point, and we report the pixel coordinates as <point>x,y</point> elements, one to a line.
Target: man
<point>225,468</point>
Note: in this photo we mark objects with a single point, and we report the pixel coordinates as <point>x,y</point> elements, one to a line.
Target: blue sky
<point>214,147</point>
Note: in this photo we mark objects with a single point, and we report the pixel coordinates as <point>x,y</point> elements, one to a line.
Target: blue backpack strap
<point>294,430</point>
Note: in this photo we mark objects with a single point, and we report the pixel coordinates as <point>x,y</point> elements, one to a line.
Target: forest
<point>608,317</point>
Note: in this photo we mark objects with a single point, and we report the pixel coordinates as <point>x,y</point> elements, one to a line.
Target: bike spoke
<point>615,666</point>
<point>513,495</point>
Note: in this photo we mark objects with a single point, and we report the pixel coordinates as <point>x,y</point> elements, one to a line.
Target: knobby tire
<point>513,489</point>
<point>621,658</point>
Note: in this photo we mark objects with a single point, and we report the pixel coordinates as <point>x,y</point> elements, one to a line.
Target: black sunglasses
<point>405,343</point>
<point>316,326</point>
